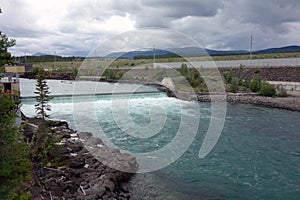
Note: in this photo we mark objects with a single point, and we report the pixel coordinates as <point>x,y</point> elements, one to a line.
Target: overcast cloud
<point>74,27</point>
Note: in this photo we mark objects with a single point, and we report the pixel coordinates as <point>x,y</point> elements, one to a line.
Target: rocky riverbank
<point>71,171</point>
<point>288,103</point>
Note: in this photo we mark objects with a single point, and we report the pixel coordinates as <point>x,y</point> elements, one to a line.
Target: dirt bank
<point>267,73</point>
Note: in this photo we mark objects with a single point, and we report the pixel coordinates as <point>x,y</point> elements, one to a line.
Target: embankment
<point>265,73</point>
<point>288,103</point>
<point>288,74</point>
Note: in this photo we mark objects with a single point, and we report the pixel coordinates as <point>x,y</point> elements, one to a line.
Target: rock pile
<point>81,174</point>
<point>288,103</point>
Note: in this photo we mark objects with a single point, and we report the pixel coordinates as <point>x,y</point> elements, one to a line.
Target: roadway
<point>282,62</point>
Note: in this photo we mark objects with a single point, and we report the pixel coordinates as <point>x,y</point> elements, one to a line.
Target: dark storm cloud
<point>264,12</point>
<point>179,9</point>
<point>273,23</point>
<point>78,26</point>
<point>158,13</point>
<point>225,24</point>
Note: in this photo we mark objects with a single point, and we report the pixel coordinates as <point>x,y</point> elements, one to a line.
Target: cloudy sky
<point>75,27</point>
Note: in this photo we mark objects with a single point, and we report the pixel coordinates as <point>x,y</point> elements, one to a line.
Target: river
<point>256,157</point>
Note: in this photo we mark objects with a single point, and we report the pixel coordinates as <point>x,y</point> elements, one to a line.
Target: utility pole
<point>54,59</point>
<point>0,13</point>
<point>251,46</point>
<point>153,53</point>
<point>96,58</point>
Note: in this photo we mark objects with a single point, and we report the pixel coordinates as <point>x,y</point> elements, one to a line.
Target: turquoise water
<point>256,157</point>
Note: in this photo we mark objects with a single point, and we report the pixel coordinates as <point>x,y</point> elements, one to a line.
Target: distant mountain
<point>188,51</point>
<point>179,51</point>
<point>132,54</point>
<point>185,51</point>
<point>39,54</point>
<point>201,51</point>
<point>198,51</point>
<point>280,49</point>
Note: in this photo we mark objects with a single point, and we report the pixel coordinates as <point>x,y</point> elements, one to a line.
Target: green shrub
<point>75,71</point>
<point>109,73</point>
<point>243,89</point>
<point>184,69</point>
<point>234,86</point>
<point>245,82</point>
<point>228,76</point>
<point>193,77</point>
<point>267,90</point>
<point>255,84</point>
<point>37,69</point>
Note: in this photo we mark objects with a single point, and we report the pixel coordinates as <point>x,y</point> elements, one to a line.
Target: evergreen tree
<point>43,96</point>
<point>5,43</point>
<point>14,152</point>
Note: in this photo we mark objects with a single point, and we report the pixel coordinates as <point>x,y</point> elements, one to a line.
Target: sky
<point>76,27</point>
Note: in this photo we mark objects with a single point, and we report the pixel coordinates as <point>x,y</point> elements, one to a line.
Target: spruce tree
<point>5,43</point>
<point>42,97</point>
<point>14,152</point>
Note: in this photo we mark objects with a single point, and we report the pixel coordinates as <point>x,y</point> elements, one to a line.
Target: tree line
<point>47,58</point>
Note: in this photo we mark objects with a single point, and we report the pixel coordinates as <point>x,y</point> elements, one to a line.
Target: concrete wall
<point>292,88</point>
